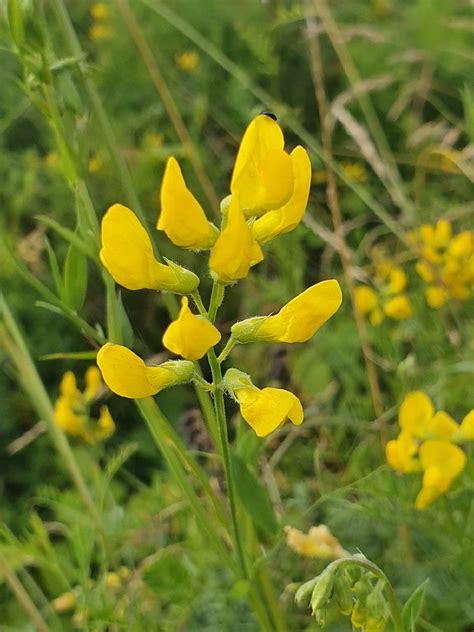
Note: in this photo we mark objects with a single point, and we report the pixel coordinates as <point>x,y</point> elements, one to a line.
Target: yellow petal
<point>376,317</point>
<point>68,387</point>
<point>442,462</point>
<point>265,410</point>
<point>236,249</point>
<point>398,307</point>
<point>182,218</point>
<point>127,375</point>
<point>442,233</point>
<point>436,296</point>
<point>300,319</point>
<point>127,254</point>
<point>263,172</point>
<point>105,425</point>
<point>190,336</point>
<point>397,280</point>
<point>365,298</point>
<point>289,216</point>
<point>93,381</point>
<point>400,453</point>
<point>442,426</point>
<point>467,426</point>
<point>66,418</point>
<point>415,412</point>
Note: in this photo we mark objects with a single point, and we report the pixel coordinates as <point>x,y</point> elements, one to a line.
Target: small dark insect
<point>271,115</point>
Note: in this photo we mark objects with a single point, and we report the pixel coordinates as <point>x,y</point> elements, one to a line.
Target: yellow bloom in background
<point>415,413</point>
<point>442,426</point>
<point>397,280</point>
<point>99,11</point>
<point>128,255</point>
<point>400,453</point>
<point>436,296</point>
<point>466,430</point>
<point>263,172</point>
<point>236,249</point>
<point>286,218</point>
<point>264,410</point>
<point>63,603</point>
<point>95,164</point>
<point>182,218</point>
<point>100,32</point>
<point>190,336</point>
<point>127,375</point>
<point>354,171</point>
<point>297,321</point>
<point>442,462</point>
<point>71,409</point>
<point>398,307</point>
<point>318,542</point>
<point>187,60</point>
<point>366,299</point>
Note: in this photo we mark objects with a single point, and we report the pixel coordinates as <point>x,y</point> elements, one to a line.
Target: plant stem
<point>22,596</point>
<point>225,451</point>
<point>217,296</point>
<point>226,350</point>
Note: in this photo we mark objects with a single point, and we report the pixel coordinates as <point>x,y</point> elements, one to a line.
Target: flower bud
<point>343,594</point>
<point>304,591</point>
<point>186,281</point>
<point>323,590</point>
<point>246,330</point>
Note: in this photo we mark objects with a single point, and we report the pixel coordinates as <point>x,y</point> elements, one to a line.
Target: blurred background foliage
<point>222,64</point>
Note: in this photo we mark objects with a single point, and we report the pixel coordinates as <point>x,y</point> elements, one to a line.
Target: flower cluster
<point>388,299</point>
<point>445,263</point>
<point>428,442</point>
<point>100,28</point>
<point>268,196</point>
<point>72,408</point>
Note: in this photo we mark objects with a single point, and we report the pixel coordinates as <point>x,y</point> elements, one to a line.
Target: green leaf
<point>413,607</point>
<point>15,19</point>
<point>125,326</point>
<point>75,278</point>
<point>54,267</point>
<point>253,496</point>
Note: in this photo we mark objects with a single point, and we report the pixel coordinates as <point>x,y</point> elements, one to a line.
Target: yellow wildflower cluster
<point>269,192</point>
<point>100,28</point>
<point>446,262</point>
<point>71,410</point>
<point>389,300</point>
<point>318,542</point>
<point>188,60</point>
<point>427,443</point>
<point>354,171</point>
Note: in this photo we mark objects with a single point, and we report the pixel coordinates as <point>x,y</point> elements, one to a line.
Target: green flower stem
<point>217,296</point>
<point>199,304</point>
<point>226,350</point>
<point>12,338</point>
<point>225,451</point>
<point>168,444</point>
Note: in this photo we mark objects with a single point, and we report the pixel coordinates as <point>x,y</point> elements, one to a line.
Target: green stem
<point>226,350</point>
<point>217,296</point>
<point>199,304</point>
<point>16,347</point>
<point>225,451</point>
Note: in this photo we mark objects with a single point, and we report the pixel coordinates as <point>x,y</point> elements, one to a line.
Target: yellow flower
<point>127,254</point>
<point>187,60</point>
<point>466,429</point>
<point>442,233</point>
<point>95,164</point>
<point>398,307</point>
<point>286,218</point>
<point>127,375</point>
<point>99,11</point>
<point>65,602</point>
<point>190,336</point>
<point>71,410</point>
<point>376,317</point>
<point>319,542</point>
<point>365,298</point>
<point>425,271</point>
<point>415,413</point>
<point>400,453</point>
<point>462,245</point>
<point>442,426</point>
<point>397,280</point>
<point>263,172</point>
<point>182,218</point>
<point>236,249</point>
<point>436,296</point>
<point>264,410</point>
<point>354,171</point>
<point>442,462</point>
<point>100,32</point>
<point>297,321</point>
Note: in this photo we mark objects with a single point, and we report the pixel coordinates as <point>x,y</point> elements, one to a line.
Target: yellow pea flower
<point>415,413</point>
<point>425,271</point>
<point>297,321</point>
<point>442,426</point>
<point>462,245</point>
<point>400,453</point>
<point>442,462</point>
<point>93,381</point>
<point>436,296</point>
<point>182,218</point>
<point>376,317</point>
<point>318,542</point>
<point>99,11</point>
<point>398,307</point>
<point>466,429</point>
<point>286,218</point>
<point>264,410</point>
<point>397,280</point>
<point>442,233</point>
<point>127,375</point>
<point>127,254</point>
<point>190,336</point>
<point>188,60</point>
<point>263,171</point>
<point>365,298</point>
<point>236,249</point>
